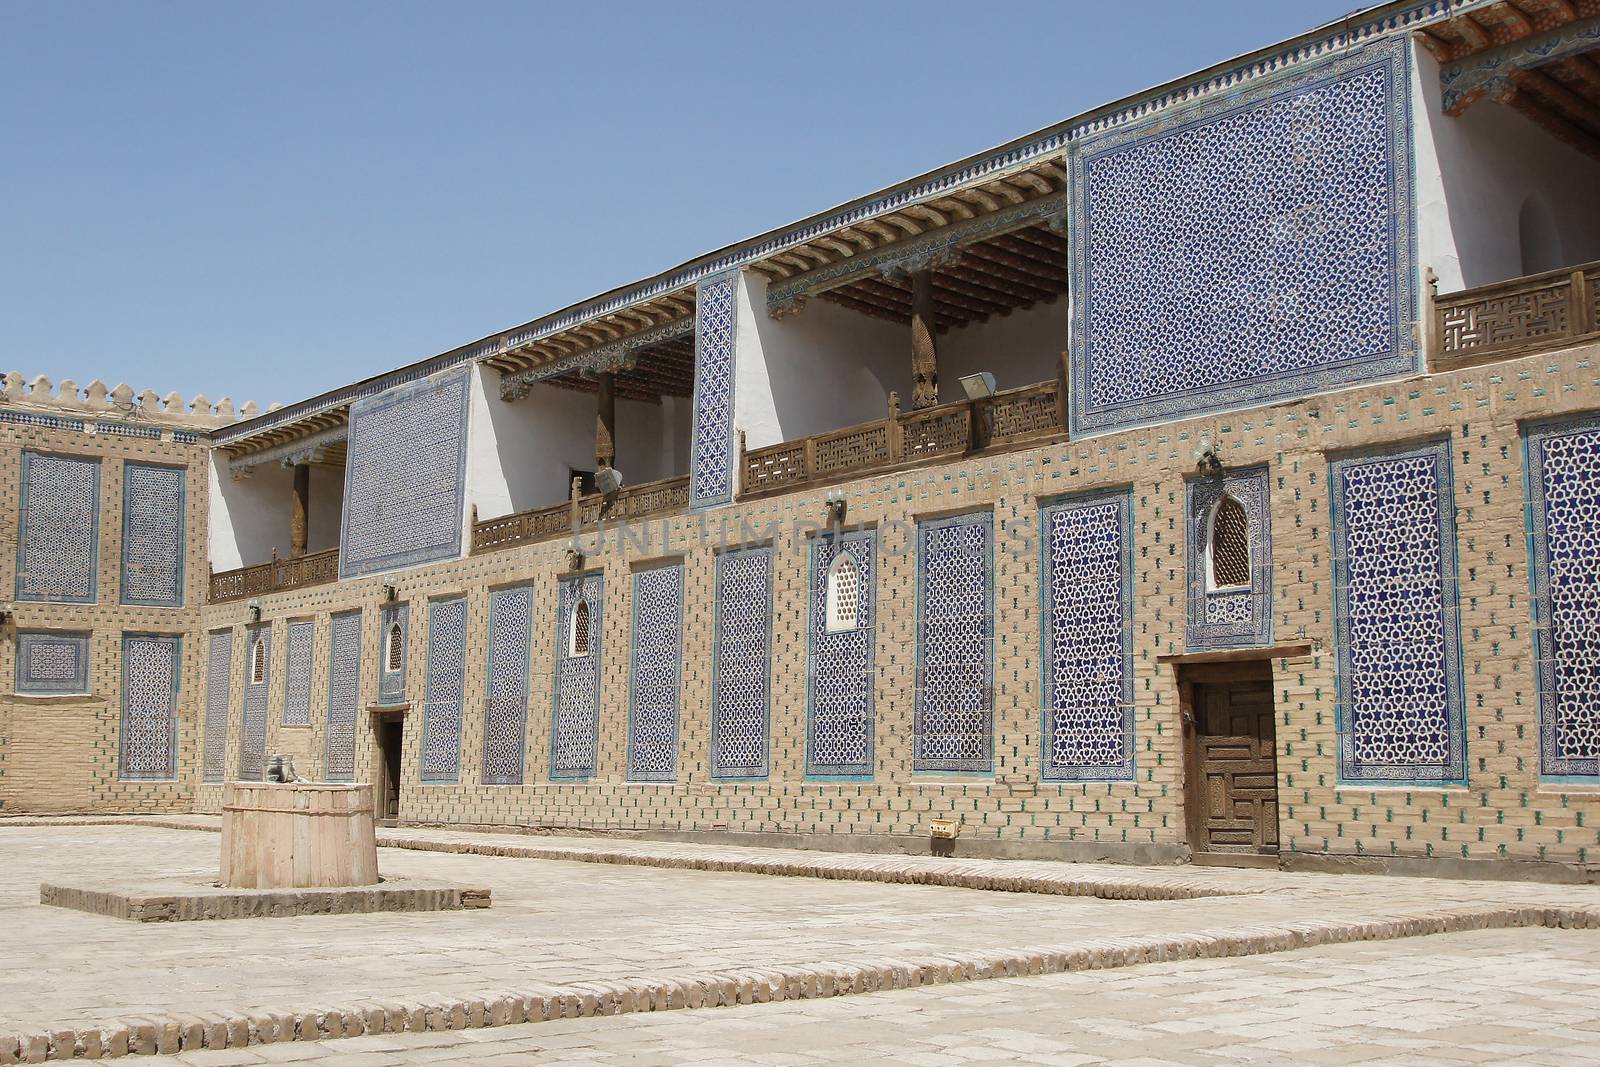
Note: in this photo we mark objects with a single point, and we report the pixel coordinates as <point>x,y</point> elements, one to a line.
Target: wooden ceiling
<point>1560,95</point>
<point>994,276</point>
<point>597,332</point>
<point>665,368</point>
<point>331,424</point>
<point>990,273</point>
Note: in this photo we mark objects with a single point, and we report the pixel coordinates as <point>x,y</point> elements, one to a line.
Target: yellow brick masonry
<point>60,753</point>
<point>1505,812</point>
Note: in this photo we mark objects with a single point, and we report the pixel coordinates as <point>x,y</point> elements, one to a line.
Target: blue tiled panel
<point>150,667</point>
<point>575,727</point>
<point>344,697</point>
<point>657,655</point>
<point>742,665</point>
<point>1088,643</point>
<point>52,663</point>
<point>715,336</point>
<point>445,690</point>
<point>1229,617</point>
<point>152,535</point>
<point>954,720</point>
<point>297,673</point>
<point>392,683</point>
<point>1396,617</point>
<point>505,726</point>
<point>1252,246</point>
<point>59,535</point>
<point>33,418</point>
<point>219,698</point>
<point>839,675</point>
<point>405,476</point>
<point>1563,465</point>
<point>253,727</point>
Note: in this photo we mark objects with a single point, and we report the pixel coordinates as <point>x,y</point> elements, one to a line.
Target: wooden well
<point>297,835</point>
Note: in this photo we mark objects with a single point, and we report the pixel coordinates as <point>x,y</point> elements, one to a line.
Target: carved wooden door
<point>1238,767</point>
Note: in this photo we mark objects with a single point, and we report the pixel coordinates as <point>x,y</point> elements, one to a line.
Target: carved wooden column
<point>299,518</point>
<point>605,423</point>
<point>924,355</point>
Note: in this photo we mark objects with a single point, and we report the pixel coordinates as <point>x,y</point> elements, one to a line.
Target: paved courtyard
<point>559,923</point>
<point>1495,996</point>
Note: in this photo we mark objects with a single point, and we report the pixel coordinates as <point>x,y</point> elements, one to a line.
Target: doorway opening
<point>1231,756</point>
<point>391,742</point>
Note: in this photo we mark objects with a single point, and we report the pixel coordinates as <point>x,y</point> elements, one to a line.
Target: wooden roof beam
<point>1006,297</point>
<point>1563,130</point>
<point>1022,264</point>
<point>979,197</point>
<point>1005,189</point>
<point>1015,245</point>
<point>1006,279</point>
<point>845,299</point>
<point>1575,106</point>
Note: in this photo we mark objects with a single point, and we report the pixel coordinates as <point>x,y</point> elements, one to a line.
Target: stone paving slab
<point>1501,996</point>
<point>183,900</point>
<point>573,939</point>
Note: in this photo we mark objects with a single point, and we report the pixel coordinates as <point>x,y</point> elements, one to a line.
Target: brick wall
<point>1505,811</point>
<point>61,753</point>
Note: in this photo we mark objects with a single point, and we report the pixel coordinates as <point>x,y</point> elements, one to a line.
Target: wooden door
<point>1236,780</point>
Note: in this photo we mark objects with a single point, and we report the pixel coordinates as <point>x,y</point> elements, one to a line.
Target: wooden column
<point>605,423</point>
<point>924,355</point>
<point>299,518</point>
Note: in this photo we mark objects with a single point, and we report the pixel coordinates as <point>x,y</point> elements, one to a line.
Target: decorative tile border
<point>58,538</point>
<point>405,477</point>
<point>52,662</point>
<point>953,727</point>
<point>1397,617</point>
<point>1229,618</point>
<point>741,671</point>
<point>510,668</point>
<point>151,669</point>
<point>219,702</point>
<point>711,473</point>
<point>444,693</point>
<point>1562,471</point>
<point>1087,612</point>
<point>839,675</point>
<point>1148,342</point>
<point>344,696</point>
<point>575,697</point>
<point>655,675</point>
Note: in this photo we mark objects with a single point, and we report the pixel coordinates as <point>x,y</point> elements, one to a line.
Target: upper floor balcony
<point>1410,199</point>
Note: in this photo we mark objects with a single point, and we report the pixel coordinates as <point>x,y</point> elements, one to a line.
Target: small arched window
<point>394,648</point>
<point>1230,545</point>
<point>578,630</point>
<point>258,661</point>
<point>844,594</point>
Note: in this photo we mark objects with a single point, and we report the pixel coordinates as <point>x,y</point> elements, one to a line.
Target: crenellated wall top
<point>121,402</point>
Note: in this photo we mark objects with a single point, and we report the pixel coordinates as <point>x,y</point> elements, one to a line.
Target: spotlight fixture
<point>255,610</point>
<point>978,386</point>
<point>836,507</point>
<point>1206,456</point>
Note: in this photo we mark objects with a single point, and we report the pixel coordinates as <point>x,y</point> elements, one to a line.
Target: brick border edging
<point>896,870</point>
<point>754,985</point>
<point>983,874</point>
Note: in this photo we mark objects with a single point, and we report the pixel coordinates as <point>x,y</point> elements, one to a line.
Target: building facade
<point>1212,476</point>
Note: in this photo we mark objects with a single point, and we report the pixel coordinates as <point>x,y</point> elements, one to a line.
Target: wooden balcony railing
<point>1026,415</point>
<point>1515,317</point>
<point>275,577</point>
<point>561,520</point>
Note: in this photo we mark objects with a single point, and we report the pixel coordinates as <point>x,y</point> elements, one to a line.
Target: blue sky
<point>269,200</point>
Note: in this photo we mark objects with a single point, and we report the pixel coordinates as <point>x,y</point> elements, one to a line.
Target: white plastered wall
<point>818,369</point>
<point>249,515</point>
<point>1022,348</point>
<point>1476,171</point>
<point>520,453</point>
